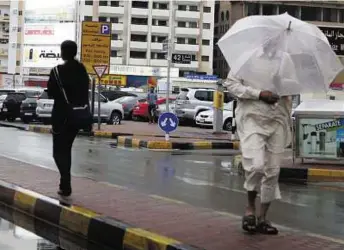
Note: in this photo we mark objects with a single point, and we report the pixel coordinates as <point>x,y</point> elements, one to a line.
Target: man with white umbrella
<point>263,127</point>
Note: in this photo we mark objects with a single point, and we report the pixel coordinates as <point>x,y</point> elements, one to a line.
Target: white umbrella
<point>281,54</point>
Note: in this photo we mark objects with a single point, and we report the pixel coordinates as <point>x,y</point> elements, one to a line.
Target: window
<point>87,18</point>
<point>158,39</point>
<point>139,21</point>
<point>160,6</point>
<point>89,2</point>
<point>114,20</point>
<point>330,15</point>
<point>182,24</point>
<point>216,30</point>
<point>193,8</point>
<point>193,58</point>
<point>160,56</point>
<point>102,19</point>
<point>252,9</point>
<point>114,3</point>
<point>206,9</point>
<point>205,58</point>
<point>162,23</point>
<point>113,53</point>
<point>114,36</point>
<point>310,13</point>
<point>204,95</point>
<point>138,54</point>
<point>193,25</point>
<point>292,10</point>
<point>227,15</point>
<point>18,63</point>
<point>180,40</point>
<point>341,16</point>
<point>138,38</point>
<point>269,9</point>
<point>222,16</point>
<point>140,4</point>
<point>103,3</point>
<point>20,13</point>
<point>206,26</point>
<point>182,7</point>
<point>205,42</point>
<point>192,41</point>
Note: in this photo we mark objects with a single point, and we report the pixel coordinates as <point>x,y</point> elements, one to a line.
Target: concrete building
<point>140,27</point>
<point>327,15</point>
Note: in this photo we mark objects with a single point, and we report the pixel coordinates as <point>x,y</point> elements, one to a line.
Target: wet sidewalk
<point>198,227</point>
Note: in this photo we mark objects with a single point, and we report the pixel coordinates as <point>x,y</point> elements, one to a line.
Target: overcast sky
<point>42,4</point>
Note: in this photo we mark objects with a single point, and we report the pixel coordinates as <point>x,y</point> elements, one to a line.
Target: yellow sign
<point>113,80</point>
<point>95,45</point>
<point>218,99</point>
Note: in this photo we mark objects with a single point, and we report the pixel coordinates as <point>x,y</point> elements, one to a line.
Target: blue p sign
<point>105,29</point>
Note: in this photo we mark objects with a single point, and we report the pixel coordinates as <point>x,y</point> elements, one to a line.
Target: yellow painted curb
<point>315,172</point>
<point>202,145</point>
<point>121,140</point>
<point>159,145</point>
<point>103,134</point>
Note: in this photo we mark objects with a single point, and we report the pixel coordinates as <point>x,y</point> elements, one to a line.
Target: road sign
<point>181,58</point>
<point>168,122</point>
<point>95,45</point>
<point>113,80</point>
<point>100,70</point>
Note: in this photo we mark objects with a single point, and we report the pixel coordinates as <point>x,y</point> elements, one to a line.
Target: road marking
<point>166,199</point>
<point>339,241</point>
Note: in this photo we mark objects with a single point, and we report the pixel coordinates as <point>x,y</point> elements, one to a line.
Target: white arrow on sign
<point>100,70</point>
<point>172,123</point>
<point>164,123</point>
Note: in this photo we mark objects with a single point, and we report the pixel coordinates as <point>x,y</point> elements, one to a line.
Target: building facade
<point>139,29</point>
<point>327,15</point>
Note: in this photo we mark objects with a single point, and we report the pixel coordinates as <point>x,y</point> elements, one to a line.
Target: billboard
<point>49,33</point>
<point>335,36</point>
<point>42,56</point>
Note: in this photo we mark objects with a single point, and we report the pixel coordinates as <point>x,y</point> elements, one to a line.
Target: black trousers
<point>62,153</point>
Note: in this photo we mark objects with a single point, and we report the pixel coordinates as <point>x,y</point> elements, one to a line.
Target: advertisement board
<point>49,33</point>
<point>113,80</point>
<point>335,36</point>
<point>321,138</point>
<point>42,56</point>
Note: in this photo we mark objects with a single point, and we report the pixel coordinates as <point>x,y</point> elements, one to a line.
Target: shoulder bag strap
<point>59,83</point>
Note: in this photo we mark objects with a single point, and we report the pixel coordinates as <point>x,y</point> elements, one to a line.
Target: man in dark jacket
<point>75,81</point>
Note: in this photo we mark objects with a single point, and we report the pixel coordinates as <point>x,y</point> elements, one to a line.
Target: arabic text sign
<point>95,45</point>
<point>113,80</point>
<point>42,56</point>
<point>335,37</point>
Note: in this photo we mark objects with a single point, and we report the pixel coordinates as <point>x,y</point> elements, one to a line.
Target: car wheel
<point>228,125</point>
<point>115,118</point>
<point>26,120</point>
<point>11,118</point>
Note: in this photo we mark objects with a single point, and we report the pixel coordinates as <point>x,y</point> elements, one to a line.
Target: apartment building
<point>327,15</point>
<point>139,29</point>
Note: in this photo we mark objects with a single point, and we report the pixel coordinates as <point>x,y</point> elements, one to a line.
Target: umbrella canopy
<point>281,54</point>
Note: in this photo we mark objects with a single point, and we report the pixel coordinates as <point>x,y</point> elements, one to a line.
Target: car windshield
<point>125,99</point>
<point>32,94</point>
<point>2,98</point>
<point>44,95</point>
<point>183,95</point>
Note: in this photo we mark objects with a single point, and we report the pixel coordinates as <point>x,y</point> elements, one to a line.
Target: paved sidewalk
<point>202,228</point>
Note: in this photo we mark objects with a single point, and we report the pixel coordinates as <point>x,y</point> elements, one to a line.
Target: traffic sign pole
<point>100,70</point>
<point>169,59</point>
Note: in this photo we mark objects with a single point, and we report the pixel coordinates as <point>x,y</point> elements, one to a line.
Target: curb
<point>300,174</point>
<point>89,225</point>
<point>129,142</point>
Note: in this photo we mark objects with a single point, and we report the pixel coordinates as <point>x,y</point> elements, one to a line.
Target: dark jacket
<point>75,81</point>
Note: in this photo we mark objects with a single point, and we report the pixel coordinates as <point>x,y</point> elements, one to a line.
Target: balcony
<point>187,32</point>
<point>191,2</point>
<point>138,12</point>
<point>139,46</point>
<point>139,29</point>
<point>158,63</point>
<point>117,27</point>
<point>193,65</point>
<point>137,61</point>
<point>186,48</point>
<point>156,47</point>
<point>207,34</point>
<point>187,15</point>
<point>111,11</point>
<point>160,30</point>
<point>115,44</point>
<point>116,60</point>
<point>160,13</point>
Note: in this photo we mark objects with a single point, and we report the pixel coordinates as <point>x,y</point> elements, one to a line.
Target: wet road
<point>199,178</point>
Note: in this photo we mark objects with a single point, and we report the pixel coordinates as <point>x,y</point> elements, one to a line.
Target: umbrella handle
<point>289,25</point>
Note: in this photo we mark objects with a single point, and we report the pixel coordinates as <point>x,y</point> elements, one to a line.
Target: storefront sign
<point>95,45</point>
<point>321,138</point>
<point>49,33</point>
<point>335,37</point>
<point>113,80</point>
<point>44,57</point>
<point>143,71</point>
<point>201,77</point>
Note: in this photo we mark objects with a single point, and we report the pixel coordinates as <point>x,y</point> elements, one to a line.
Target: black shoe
<point>65,193</point>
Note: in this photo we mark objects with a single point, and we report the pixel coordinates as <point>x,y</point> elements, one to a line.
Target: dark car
<point>29,105</point>
<point>11,105</point>
<point>112,95</point>
<point>128,104</point>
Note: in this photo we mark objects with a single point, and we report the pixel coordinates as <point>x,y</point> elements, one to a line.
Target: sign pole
<point>100,70</point>
<point>93,95</point>
<point>99,121</point>
<point>169,59</point>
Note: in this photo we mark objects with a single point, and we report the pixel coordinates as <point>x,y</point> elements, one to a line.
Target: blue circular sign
<point>168,122</point>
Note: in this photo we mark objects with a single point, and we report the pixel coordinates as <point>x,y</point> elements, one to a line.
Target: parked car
<point>128,103</point>
<point>11,105</point>
<point>141,109</point>
<point>162,108</point>
<point>191,101</point>
<point>2,99</point>
<point>112,95</point>
<point>205,118</point>
<point>29,105</point>
<point>110,112</point>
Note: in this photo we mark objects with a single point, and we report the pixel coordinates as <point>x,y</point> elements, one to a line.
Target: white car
<point>110,112</point>
<point>205,118</point>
